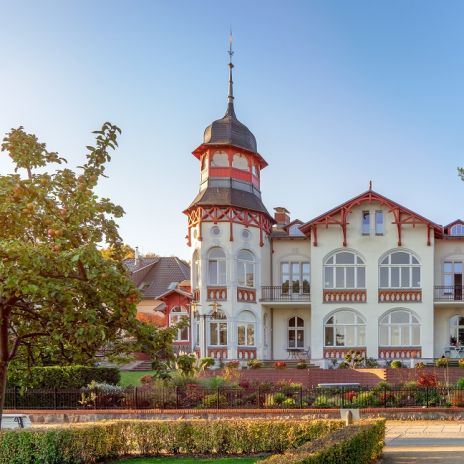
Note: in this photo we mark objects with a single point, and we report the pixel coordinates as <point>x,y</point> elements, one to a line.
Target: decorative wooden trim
<point>392,352</point>
<point>216,294</point>
<point>400,295</point>
<point>344,296</point>
<point>246,353</point>
<point>217,353</point>
<point>246,295</point>
<point>340,352</point>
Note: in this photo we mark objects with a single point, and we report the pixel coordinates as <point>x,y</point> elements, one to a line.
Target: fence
<point>197,397</point>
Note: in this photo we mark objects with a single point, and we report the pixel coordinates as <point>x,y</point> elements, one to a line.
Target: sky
<point>337,93</point>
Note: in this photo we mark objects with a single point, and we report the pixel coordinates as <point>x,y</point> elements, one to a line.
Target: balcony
<point>400,295</point>
<point>277,293</point>
<point>344,296</point>
<point>449,293</point>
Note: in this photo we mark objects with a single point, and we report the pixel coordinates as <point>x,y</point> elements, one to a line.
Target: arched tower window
<point>246,329</point>
<point>220,160</point>
<point>400,269</point>
<point>218,329</point>
<point>345,328</point>
<point>176,315</point>
<point>246,269</point>
<point>217,267</point>
<point>296,337</point>
<point>344,269</point>
<point>399,327</point>
<point>240,161</point>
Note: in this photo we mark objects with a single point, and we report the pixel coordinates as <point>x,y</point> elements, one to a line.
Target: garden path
<point>428,442</point>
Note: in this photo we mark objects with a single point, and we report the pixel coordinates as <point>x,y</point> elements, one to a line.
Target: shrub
<point>63,377</point>
<point>461,362</point>
<point>460,383</point>
<point>343,365</point>
<point>92,442</point>
<point>206,362</point>
<point>280,364</point>
<point>441,362</point>
<point>214,400</point>
<point>301,365</point>
<point>420,365</point>
<point>355,444</point>
<point>102,395</point>
<point>427,380</point>
<point>457,398</point>
<point>254,364</point>
<point>371,362</point>
<point>233,365</point>
<point>396,364</point>
<point>381,386</point>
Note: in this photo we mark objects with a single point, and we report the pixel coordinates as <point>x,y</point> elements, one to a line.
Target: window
<point>345,328</point>
<point>457,230</point>
<point>216,266</point>
<point>246,269</point>
<point>366,223</point>
<point>246,234</point>
<point>240,162</point>
<point>379,230</point>
<point>344,269</point>
<point>220,160</point>
<point>176,315</point>
<point>218,329</point>
<point>196,270</point>
<point>295,332</point>
<point>296,277</point>
<point>457,331</point>
<point>246,328</point>
<point>400,269</point>
<point>399,328</point>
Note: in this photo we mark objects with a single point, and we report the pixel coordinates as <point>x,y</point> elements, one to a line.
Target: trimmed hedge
<point>64,377</point>
<point>354,444</point>
<point>89,443</point>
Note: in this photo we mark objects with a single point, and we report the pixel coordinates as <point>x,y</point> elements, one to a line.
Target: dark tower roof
<point>229,130</point>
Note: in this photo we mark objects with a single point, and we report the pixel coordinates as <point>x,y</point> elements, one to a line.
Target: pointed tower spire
<point>230,98</point>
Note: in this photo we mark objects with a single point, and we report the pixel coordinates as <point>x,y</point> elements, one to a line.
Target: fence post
<point>177,397</point>
<point>55,403</point>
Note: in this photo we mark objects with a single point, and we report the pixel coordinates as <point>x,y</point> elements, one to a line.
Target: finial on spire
<point>370,185</point>
<point>230,97</point>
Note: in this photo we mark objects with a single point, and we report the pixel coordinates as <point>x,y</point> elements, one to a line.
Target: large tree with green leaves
<point>60,298</point>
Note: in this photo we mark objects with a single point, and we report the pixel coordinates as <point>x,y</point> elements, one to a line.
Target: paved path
<point>428,442</point>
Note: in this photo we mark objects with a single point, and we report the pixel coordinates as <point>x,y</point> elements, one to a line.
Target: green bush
<point>460,382</point>
<point>355,444</point>
<point>396,364</point>
<point>93,442</point>
<point>441,362</point>
<point>63,377</point>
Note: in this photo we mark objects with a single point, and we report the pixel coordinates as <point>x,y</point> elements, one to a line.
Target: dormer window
<point>457,230</point>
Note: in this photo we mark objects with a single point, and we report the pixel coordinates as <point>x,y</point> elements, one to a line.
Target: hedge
<point>64,377</point>
<point>90,443</point>
<point>354,444</point>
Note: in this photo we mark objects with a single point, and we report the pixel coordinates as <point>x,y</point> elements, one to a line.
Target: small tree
<point>60,298</point>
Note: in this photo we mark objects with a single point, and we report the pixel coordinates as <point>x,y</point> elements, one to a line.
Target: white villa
<point>369,275</point>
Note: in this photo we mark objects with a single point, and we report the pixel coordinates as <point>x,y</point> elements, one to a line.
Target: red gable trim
<point>339,216</point>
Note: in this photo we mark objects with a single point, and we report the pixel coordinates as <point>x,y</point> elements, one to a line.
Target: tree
<point>125,250</point>
<point>59,295</point>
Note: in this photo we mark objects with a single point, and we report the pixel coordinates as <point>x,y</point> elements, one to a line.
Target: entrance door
<point>458,287</point>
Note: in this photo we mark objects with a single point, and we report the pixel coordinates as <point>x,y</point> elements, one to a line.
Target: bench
<point>15,421</point>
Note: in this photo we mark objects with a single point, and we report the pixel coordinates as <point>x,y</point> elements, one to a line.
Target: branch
<point>18,340</point>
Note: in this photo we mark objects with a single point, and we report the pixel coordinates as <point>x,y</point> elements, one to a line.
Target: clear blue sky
<point>336,93</point>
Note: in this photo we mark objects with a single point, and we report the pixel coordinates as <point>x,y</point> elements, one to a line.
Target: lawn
<point>132,377</point>
<point>183,460</point>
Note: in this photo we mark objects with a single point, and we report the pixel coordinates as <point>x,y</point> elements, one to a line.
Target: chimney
<point>282,216</point>
<point>137,260</point>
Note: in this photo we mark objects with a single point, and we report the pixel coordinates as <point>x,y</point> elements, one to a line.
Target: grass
<point>190,460</point>
<point>132,377</point>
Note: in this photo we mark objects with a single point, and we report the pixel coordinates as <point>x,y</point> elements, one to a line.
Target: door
<point>458,287</point>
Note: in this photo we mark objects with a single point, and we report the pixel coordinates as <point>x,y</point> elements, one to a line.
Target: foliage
<point>354,444</point>
<point>280,364</point>
<point>92,442</point>
<point>214,400</point>
<point>64,377</point>
<point>185,363</point>
<point>396,364</point>
<point>125,251</point>
<point>426,380</point>
<point>442,362</point>
<point>460,383</point>
<point>354,359</point>
<point>420,365</point>
<point>461,362</point>
<point>343,365</point>
<point>108,395</point>
<point>61,300</point>
<point>301,365</point>
<point>382,385</point>
<point>371,363</point>
<point>206,362</point>
<point>233,365</point>
<point>254,364</point>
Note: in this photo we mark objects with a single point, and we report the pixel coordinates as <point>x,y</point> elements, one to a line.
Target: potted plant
<point>280,364</point>
<point>301,365</point>
<point>442,362</point>
<point>254,364</point>
<point>396,364</point>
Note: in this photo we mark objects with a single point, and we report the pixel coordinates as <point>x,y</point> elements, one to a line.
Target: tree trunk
<point>4,356</point>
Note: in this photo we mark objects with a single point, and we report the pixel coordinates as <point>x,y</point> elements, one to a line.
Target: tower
<point>228,231</point>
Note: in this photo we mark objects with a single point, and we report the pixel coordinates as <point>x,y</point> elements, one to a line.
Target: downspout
<point>271,251</point>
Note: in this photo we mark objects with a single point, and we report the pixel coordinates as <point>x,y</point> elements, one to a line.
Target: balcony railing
<point>449,293</point>
<point>278,293</point>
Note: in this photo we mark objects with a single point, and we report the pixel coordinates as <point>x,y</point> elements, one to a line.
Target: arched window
<point>295,332</point>
<point>457,230</point>
<point>220,160</point>
<point>196,270</point>
<point>240,162</point>
<point>400,269</point>
<point>246,329</point>
<point>218,329</point>
<point>345,328</point>
<point>344,269</point>
<point>399,328</point>
<point>246,269</point>
<point>216,266</point>
<point>176,315</point>
<point>456,325</point>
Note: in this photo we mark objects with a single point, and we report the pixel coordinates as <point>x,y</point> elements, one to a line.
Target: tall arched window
<point>345,328</point>
<point>296,332</point>
<point>400,269</point>
<point>196,270</point>
<point>216,266</point>
<point>246,329</point>
<point>344,269</point>
<point>220,160</point>
<point>176,315</point>
<point>399,328</point>
<point>218,329</point>
<point>246,269</point>
<point>240,161</point>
